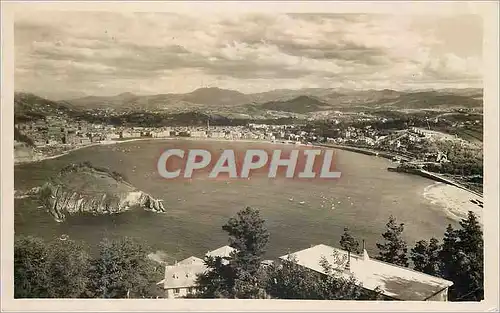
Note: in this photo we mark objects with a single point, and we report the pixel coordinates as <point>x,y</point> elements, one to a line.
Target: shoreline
<point>387,155</point>
<point>114,142</point>
<point>454,201</point>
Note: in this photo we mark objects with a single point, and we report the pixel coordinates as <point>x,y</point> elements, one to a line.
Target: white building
<point>395,282</point>
<point>198,133</point>
<point>111,136</point>
<point>160,134</point>
<point>217,134</point>
<point>180,278</point>
<point>130,134</point>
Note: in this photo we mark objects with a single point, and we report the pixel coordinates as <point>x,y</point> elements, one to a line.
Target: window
<point>177,290</point>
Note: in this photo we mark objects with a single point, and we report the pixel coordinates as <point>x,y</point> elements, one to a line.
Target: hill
<point>29,107</point>
<point>83,188</point>
<point>126,101</point>
<point>300,104</point>
<point>216,96</point>
<point>217,101</point>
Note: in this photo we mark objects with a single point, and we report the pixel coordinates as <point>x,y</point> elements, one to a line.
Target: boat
<point>64,237</point>
<point>302,202</point>
<point>291,199</point>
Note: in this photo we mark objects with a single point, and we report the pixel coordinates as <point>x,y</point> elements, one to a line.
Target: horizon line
<point>243,93</point>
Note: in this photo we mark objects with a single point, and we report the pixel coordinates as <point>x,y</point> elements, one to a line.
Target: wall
<point>170,294</point>
<point>441,296</point>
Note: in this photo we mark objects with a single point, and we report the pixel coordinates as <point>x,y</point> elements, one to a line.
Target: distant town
<point>416,145</point>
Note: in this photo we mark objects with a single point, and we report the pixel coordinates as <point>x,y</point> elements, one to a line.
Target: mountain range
<point>304,101</point>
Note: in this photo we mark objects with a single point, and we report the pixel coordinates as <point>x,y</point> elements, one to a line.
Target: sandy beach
<point>455,201</point>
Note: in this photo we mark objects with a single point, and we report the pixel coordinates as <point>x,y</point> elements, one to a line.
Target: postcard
<point>249,156</point>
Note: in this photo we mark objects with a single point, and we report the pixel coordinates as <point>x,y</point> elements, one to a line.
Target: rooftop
<point>183,274</point>
<point>222,252</point>
<point>395,281</point>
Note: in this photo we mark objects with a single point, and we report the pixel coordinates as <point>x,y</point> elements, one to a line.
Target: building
<point>395,282</point>
<point>180,278</point>
<point>130,134</point>
<point>160,134</point>
<point>217,134</point>
<point>112,136</point>
<point>198,133</point>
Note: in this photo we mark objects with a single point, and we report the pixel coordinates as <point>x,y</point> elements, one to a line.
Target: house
<point>217,134</point>
<point>222,252</point>
<point>130,134</point>
<point>198,133</point>
<point>112,136</point>
<point>160,134</point>
<point>395,282</point>
<point>180,278</point>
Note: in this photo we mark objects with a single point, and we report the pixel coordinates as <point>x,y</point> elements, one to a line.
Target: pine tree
<point>240,277</point>
<point>425,256</point>
<point>30,268</point>
<point>122,270</point>
<point>68,265</point>
<point>418,255</point>
<point>394,249</point>
<point>249,236</point>
<point>462,260</point>
<point>348,242</point>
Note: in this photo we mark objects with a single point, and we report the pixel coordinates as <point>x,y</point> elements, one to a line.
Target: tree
<point>348,242</point>
<point>462,260</point>
<point>218,281</point>
<point>288,280</point>
<point>238,276</point>
<point>291,281</point>
<point>67,266</point>
<point>448,252</point>
<point>425,256</point>
<point>394,249</point>
<point>30,268</point>
<point>122,270</point>
<point>249,236</point>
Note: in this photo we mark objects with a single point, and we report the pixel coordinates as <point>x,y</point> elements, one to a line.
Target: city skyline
<point>105,54</point>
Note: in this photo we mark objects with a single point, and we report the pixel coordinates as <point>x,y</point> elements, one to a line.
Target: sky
<point>63,55</point>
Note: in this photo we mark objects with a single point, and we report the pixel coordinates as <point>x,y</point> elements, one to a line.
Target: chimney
<point>365,253</point>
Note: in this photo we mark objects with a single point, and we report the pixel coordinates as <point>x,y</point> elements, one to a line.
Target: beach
<point>197,208</point>
<point>455,201</point>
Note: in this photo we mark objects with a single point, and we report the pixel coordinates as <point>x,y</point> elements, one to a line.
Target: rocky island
<point>83,188</point>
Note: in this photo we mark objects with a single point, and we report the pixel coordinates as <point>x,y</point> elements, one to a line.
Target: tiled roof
<point>224,251</point>
<point>183,274</point>
<point>395,281</point>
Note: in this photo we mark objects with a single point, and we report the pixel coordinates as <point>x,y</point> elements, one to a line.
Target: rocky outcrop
<point>60,202</point>
<point>85,189</point>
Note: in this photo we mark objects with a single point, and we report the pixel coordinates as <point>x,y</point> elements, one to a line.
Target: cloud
<point>107,53</point>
